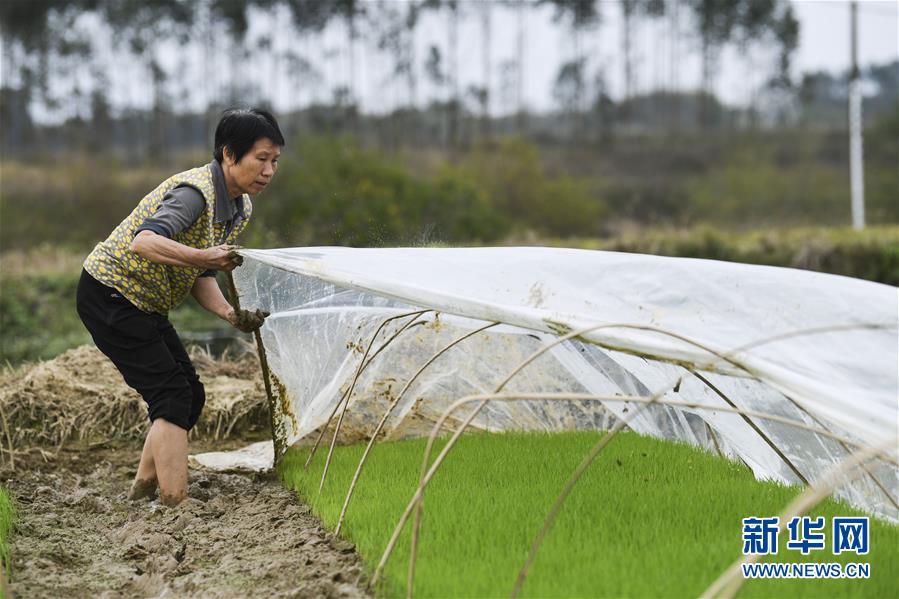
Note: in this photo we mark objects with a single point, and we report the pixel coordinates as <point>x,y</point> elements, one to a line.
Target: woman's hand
<point>221,257</point>
<point>247,320</point>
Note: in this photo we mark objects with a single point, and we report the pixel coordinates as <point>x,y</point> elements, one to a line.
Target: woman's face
<point>255,169</point>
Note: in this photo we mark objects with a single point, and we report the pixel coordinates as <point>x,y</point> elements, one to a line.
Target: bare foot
<point>172,499</point>
<point>142,489</point>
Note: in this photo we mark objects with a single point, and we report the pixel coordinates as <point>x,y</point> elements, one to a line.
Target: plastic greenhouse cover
<point>815,348</point>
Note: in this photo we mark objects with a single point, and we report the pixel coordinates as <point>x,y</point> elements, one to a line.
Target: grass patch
<point>649,518</point>
<point>7,518</point>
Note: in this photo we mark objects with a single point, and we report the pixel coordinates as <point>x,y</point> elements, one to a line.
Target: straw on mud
<point>349,393</point>
<point>389,410</point>
<point>362,366</point>
<point>730,581</point>
<point>12,459</point>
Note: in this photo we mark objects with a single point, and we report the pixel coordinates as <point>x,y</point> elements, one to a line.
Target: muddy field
<point>70,446</point>
<point>238,535</point>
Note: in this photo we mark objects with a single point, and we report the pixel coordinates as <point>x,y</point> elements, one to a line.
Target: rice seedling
<point>648,518</point>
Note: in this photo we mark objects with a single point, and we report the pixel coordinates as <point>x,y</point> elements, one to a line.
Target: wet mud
<point>238,535</point>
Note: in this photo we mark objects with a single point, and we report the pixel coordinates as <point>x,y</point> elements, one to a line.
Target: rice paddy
<point>649,518</point>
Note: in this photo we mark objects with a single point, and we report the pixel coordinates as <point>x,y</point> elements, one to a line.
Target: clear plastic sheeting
<point>813,348</point>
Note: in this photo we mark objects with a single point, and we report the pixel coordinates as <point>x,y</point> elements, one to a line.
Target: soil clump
<point>236,535</point>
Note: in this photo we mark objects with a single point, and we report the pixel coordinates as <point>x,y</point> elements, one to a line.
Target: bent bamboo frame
<point>753,426</point>
<point>352,386</point>
<point>730,581</point>
<point>583,397</point>
<point>389,410</point>
<point>519,368</point>
<point>726,356</point>
<point>362,365</point>
<point>560,500</point>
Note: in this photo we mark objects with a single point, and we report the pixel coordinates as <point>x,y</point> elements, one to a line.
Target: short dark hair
<point>240,128</point>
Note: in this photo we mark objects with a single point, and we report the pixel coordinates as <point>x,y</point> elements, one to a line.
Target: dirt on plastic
<point>237,535</point>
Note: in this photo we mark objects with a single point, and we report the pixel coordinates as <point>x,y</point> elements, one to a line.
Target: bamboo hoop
<point>349,393</point>
<point>362,366</point>
<point>726,356</point>
<point>570,335</point>
<point>585,397</point>
<point>730,581</point>
<point>387,413</point>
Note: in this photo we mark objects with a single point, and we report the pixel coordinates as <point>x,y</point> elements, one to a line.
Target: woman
<point>170,246</point>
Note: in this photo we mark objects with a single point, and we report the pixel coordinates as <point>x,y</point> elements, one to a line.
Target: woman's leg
<point>140,346</point>
<point>145,484</point>
<point>169,443</point>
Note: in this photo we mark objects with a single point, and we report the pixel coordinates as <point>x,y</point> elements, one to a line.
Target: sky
<point>665,57</point>
<point>662,58</point>
<point>824,36</point>
<point>823,44</point>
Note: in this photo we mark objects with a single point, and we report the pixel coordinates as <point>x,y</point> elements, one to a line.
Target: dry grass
<point>80,398</point>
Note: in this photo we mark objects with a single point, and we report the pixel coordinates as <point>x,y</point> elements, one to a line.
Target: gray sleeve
<point>179,209</point>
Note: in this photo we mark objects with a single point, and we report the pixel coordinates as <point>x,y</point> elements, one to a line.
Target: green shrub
<point>760,183</point>
<point>872,254</point>
<point>528,198</point>
<point>337,192</point>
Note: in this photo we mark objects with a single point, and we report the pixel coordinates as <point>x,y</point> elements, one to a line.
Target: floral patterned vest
<point>150,286</point>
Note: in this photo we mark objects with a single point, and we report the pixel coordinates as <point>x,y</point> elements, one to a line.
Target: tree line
<point>63,58</point>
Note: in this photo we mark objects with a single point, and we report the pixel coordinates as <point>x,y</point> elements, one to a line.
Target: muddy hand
<point>247,320</point>
<point>220,257</point>
<point>236,258</point>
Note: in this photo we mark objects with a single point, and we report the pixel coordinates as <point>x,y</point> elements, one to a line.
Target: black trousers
<point>146,350</point>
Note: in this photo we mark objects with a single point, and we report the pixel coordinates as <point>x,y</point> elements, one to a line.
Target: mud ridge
<point>236,536</point>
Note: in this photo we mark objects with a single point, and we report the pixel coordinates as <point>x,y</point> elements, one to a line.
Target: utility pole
<point>856,160</point>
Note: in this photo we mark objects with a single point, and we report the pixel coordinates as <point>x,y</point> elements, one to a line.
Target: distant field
<point>649,518</point>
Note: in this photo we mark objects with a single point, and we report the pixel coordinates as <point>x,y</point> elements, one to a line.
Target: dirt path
<point>238,535</point>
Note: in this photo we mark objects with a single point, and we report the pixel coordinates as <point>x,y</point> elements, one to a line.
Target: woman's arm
<point>161,249</point>
<point>208,294</point>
